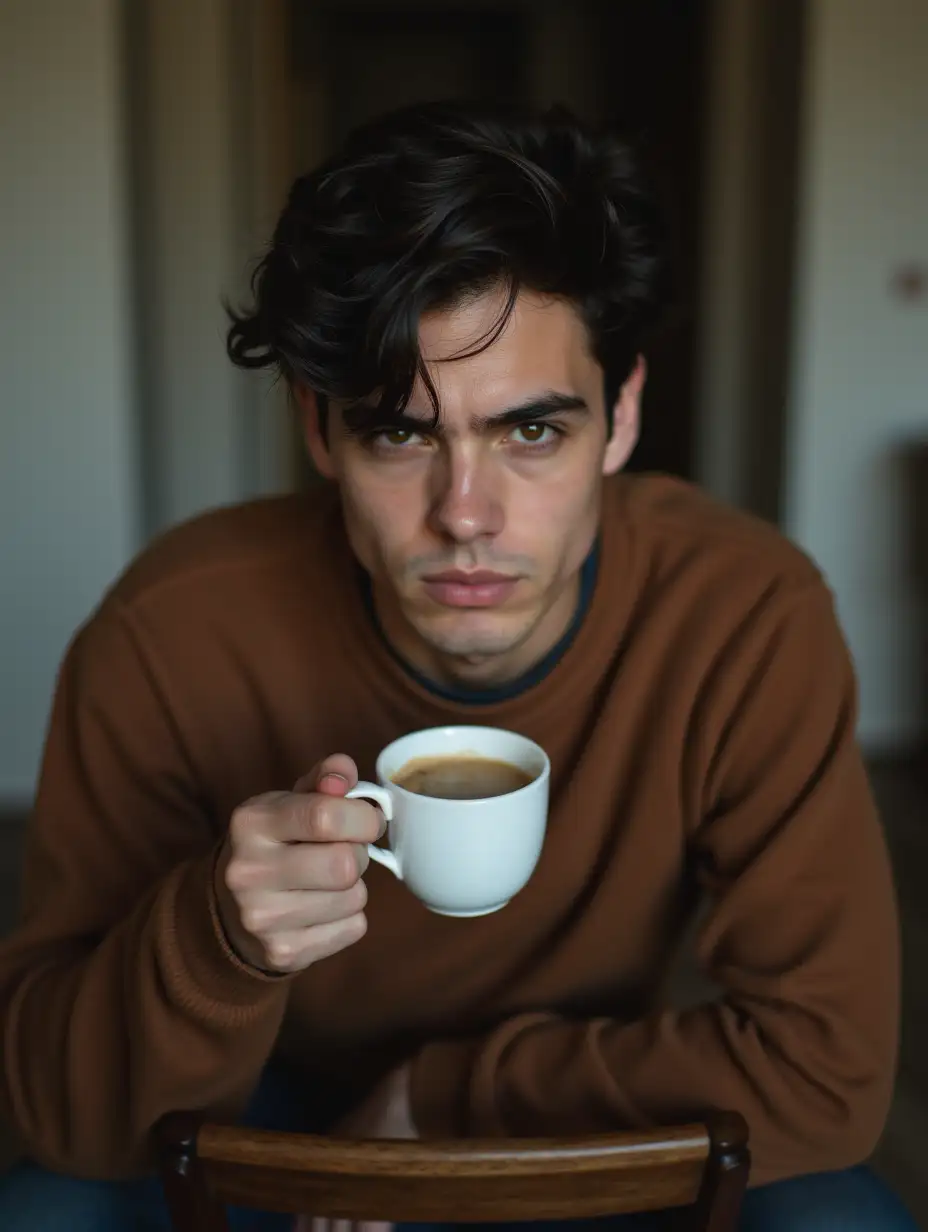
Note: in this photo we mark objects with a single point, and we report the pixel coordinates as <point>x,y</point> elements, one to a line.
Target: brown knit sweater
<point>701,735</point>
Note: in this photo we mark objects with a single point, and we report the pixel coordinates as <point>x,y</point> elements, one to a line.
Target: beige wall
<point>211,163</point>
<point>68,496</point>
<point>860,356</point>
<point>143,165</point>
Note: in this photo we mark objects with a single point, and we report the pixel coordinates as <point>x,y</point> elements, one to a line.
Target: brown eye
<point>534,434</point>
<point>393,440</point>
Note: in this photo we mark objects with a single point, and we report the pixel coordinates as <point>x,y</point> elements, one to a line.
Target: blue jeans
<point>35,1200</point>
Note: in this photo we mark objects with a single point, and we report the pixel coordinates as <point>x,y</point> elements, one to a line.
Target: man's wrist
<point>200,965</point>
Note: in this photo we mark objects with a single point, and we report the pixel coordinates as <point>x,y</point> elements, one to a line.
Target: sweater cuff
<point>439,1089</point>
<point>203,971</point>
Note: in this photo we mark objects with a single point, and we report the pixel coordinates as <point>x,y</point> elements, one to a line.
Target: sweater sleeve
<point>119,997</point>
<point>800,935</point>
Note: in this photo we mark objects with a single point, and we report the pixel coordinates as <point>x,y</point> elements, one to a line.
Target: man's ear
<point>314,436</point>
<point>626,419</point>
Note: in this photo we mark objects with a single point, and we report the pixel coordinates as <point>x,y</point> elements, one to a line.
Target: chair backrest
<point>703,1167</point>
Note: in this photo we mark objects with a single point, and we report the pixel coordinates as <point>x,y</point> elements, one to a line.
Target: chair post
<point>726,1177</point>
<point>191,1206</point>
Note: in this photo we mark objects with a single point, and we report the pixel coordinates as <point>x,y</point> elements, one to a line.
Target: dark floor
<point>903,794</point>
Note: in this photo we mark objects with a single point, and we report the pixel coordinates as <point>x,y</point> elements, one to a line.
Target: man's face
<point>474,531</point>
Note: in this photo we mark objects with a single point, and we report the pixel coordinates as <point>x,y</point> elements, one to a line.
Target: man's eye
<point>394,438</point>
<point>534,434</point>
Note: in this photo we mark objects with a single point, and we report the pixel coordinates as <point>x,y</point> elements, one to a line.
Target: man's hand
<point>288,883</point>
<point>384,1114</point>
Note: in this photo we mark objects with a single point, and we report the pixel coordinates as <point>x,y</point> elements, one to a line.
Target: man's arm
<point>801,936</point>
<point>119,997</point>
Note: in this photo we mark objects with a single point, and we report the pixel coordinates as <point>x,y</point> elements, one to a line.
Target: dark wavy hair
<point>429,204</point>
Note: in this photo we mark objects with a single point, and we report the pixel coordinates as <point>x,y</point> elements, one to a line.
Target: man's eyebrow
<point>362,416</point>
<point>541,407</point>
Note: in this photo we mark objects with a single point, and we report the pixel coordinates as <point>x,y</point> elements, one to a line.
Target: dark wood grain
<point>698,1167</point>
<point>192,1204</point>
<point>726,1175</point>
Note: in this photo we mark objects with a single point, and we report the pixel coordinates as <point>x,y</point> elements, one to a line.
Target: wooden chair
<point>702,1168</point>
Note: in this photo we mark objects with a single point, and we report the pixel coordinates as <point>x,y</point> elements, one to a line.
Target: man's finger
<point>293,951</point>
<point>276,912</point>
<point>321,866</point>
<point>323,819</point>
<point>333,776</point>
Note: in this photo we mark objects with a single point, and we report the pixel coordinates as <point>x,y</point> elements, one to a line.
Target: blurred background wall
<point>69,508</point>
<point>858,397</point>
<point>146,146</point>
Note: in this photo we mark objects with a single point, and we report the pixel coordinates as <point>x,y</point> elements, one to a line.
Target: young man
<point>458,302</point>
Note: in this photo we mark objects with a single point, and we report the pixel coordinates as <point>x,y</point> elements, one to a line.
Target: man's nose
<point>466,502</point>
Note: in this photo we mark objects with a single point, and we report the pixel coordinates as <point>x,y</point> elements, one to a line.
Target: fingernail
<point>334,776</point>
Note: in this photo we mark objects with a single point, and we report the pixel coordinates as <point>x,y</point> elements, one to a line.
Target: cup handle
<point>382,798</point>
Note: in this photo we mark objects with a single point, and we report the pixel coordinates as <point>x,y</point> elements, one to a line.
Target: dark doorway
<point>655,73</point>
<point>385,59</point>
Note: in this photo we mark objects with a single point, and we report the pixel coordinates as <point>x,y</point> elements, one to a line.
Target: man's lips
<point>459,588</point>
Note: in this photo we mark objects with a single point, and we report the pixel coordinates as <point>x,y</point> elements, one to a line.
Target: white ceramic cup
<point>461,857</point>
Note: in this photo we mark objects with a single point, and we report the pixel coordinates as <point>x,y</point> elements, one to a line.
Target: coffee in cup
<point>461,778</point>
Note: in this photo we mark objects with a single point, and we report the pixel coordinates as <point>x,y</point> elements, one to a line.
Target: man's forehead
<point>536,325</point>
<point>536,351</point>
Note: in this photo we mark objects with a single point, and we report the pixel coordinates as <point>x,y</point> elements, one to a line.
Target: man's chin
<point>475,636</point>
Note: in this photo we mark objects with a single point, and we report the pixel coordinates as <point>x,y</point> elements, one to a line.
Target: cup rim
<point>388,782</point>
